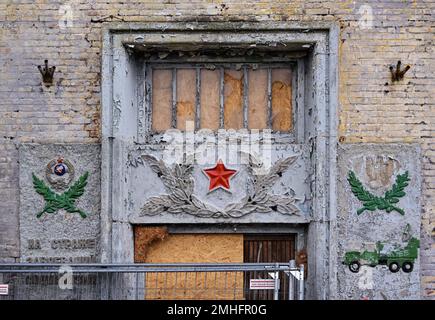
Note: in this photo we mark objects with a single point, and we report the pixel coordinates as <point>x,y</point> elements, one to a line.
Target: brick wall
<point>372,109</point>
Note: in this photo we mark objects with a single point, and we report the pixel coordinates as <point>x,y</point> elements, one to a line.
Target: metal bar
<point>301,282</point>
<point>174,98</point>
<point>189,269</point>
<point>198,99</point>
<point>245,96</point>
<point>128,268</point>
<point>222,97</point>
<point>269,98</point>
<point>276,290</point>
<point>151,268</point>
<point>291,282</point>
<point>105,265</point>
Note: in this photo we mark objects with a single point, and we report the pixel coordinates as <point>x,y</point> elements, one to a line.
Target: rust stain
<point>302,258</point>
<point>144,237</point>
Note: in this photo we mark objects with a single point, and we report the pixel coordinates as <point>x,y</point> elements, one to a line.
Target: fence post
<point>276,290</point>
<point>291,281</point>
<point>301,282</point>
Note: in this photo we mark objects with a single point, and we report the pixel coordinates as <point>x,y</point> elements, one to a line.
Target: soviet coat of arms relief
<point>255,189</point>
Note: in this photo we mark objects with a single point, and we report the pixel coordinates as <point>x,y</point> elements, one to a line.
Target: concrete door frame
<point>320,104</point>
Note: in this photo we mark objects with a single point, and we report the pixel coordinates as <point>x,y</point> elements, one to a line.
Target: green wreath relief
<point>66,200</point>
<point>372,202</point>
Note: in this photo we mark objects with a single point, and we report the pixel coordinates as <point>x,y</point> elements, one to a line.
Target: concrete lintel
<point>194,26</point>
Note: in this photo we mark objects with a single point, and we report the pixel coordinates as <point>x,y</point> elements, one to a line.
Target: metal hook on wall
<point>398,74</point>
<point>47,74</point>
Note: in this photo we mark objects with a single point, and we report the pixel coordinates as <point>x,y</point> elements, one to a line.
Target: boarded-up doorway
<point>154,244</point>
<point>267,248</point>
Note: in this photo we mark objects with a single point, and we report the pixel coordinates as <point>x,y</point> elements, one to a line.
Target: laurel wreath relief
<point>179,183</point>
<point>372,202</point>
<point>66,200</point>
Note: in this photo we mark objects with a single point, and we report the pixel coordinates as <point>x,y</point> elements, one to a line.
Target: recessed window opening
<point>221,96</point>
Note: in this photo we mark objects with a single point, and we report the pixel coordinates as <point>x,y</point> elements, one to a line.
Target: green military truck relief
<point>396,259</point>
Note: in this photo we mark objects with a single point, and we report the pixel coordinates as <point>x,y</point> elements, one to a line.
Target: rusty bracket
<point>47,74</point>
<point>397,75</point>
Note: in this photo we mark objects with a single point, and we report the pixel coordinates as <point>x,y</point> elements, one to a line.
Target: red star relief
<point>219,176</point>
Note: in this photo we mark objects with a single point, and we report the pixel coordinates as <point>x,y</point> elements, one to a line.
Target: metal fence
<point>244,281</point>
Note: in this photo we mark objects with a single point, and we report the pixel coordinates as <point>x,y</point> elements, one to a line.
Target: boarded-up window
<point>155,245</point>
<point>222,96</point>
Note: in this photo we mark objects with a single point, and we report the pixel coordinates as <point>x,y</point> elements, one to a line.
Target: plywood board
<point>233,99</point>
<point>195,248</point>
<point>281,100</point>
<point>161,99</point>
<point>210,99</point>
<point>257,99</point>
<point>186,97</point>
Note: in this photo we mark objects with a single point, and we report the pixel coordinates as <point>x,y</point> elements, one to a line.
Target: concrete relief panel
<point>59,203</point>
<point>211,191</point>
<point>379,221</point>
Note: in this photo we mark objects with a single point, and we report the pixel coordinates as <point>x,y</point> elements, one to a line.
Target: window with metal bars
<point>220,96</point>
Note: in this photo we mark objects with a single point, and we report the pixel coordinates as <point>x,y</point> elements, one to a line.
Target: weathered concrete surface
<point>377,166</point>
<point>59,237</point>
<point>9,238</point>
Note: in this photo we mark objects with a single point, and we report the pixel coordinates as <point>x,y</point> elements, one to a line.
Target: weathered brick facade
<point>372,108</point>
